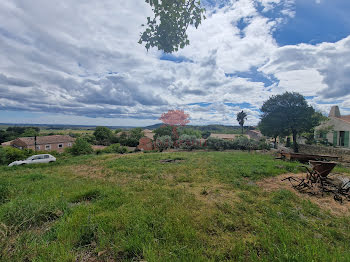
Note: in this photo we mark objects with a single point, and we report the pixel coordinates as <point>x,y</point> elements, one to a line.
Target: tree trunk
<point>242,129</point>
<point>275,143</point>
<point>295,143</point>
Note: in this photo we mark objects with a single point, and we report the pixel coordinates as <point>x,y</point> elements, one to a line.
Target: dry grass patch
<point>325,202</point>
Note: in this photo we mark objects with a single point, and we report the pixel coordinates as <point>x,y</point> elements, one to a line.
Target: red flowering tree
<point>175,118</point>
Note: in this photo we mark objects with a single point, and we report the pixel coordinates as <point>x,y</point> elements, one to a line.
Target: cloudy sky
<point>78,62</point>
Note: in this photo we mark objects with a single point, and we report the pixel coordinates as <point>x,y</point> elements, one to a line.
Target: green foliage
<point>103,135</point>
<point>92,139</point>
<point>190,132</point>
<point>288,113</point>
<point>189,142</point>
<point>240,143</point>
<point>115,148</point>
<point>30,132</point>
<point>167,29</point>
<point>164,142</point>
<point>130,138</point>
<point>10,154</point>
<point>136,133</point>
<point>14,132</point>
<point>218,144</point>
<point>118,130</point>
<point>206,134</point>
<point>164,130</point>
<point>80,147</point>
<point>241,117</point>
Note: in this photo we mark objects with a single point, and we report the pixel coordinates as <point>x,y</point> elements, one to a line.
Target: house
<point>145,143</point>
<point>148,133</point>
<point>255,134</point>
<point>226,136</point>
<point>336,129</point>
<point>44,143</point>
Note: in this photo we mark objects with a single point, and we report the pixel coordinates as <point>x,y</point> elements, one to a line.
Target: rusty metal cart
<point>317,181</point>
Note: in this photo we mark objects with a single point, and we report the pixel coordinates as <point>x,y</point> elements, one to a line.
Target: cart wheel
<point>338,198</point>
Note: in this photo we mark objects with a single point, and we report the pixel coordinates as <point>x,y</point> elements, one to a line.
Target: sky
<point>79,62</point>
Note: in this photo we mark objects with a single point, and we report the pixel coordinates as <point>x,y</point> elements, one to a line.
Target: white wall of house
<point>340,127</point>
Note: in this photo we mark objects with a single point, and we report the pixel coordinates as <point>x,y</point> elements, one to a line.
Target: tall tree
<point>103,135</point>
<point>241,117</point>
<point>288,113</point>
<point>167,30</point>
<point>270,127</point>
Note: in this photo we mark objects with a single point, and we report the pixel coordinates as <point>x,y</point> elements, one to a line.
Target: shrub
<point>103,135</point>
<point>164,142</point>
<point>190,132</point>
<point>188,142</point>
<point>115,148</point>
<point>218,144</point>
<point>10,154</point>
<point>240,143</point>
<point>80,147</point>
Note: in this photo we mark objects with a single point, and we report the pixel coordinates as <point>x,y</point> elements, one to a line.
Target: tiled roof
<point>42,140</point>
<point>345,118</point>
<point>223,136</point>
<point>149,134</point>
<point>8,143</point>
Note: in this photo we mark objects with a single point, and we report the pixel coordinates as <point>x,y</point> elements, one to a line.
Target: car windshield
<point>29,158</point>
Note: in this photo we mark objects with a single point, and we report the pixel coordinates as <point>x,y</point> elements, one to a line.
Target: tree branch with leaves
<point>167,30</point>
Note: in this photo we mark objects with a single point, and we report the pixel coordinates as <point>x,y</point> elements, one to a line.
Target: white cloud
<point>81,58</point>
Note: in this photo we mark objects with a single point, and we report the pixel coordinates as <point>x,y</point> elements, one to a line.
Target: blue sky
<point>78,62</point>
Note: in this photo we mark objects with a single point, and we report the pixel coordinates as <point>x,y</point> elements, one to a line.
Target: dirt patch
<point>325,202</point>
<point>175,160</point>
<point>91,171</point>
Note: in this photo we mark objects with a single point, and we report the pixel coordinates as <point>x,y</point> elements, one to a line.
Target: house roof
<point>8,143</point>
<point>257,132</point>
<point>42,140</point>
<point>345,118</point>
<point>223,136</point>
<point>149,135</point>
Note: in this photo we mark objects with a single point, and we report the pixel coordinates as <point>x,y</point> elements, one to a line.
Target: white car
<point>44,158</point>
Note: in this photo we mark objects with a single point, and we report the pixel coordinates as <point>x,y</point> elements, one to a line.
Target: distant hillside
<point>211,128</point>
<point>222,129</point>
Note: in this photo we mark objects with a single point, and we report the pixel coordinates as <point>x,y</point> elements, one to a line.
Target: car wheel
<point>22,164</point>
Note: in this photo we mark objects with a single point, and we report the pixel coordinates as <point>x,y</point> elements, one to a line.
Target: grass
<point>205,207</point>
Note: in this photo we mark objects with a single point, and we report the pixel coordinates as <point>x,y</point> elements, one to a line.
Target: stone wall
<point>343,153</point>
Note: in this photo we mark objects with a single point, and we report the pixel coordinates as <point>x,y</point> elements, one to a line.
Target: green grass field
<point>205,206</point>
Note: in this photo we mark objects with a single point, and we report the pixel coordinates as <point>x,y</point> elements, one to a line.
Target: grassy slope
<point>203,208</point>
